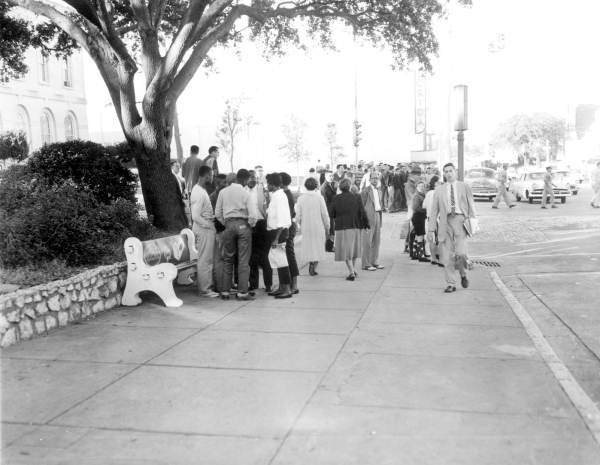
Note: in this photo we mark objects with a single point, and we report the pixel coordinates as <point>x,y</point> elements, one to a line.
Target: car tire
<point>518,197</point>
<point>575,192</point>
<point>528,198</point>
<point>563,200</point>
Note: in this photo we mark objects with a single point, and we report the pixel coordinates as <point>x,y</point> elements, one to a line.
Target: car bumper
<point>483,193</point>
<point>537,194</point>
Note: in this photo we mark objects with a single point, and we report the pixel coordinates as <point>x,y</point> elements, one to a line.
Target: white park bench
<point>154,265</point>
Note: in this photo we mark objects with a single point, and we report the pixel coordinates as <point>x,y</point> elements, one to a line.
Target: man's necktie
<point>452,199</point>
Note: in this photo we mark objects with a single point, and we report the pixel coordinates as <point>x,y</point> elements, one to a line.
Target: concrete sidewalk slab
<point>35,391</point>
<point>439,313</point>
<point>322,300</point>
<point>444,341</point>
<point>140,448</point>
<point>255,350</point>
<point>290,320</point>
<point>249,403</point>
<point>445,383</point>
<point>99,343</point>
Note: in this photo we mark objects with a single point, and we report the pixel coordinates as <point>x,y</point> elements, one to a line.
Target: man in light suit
<point>372,237</point>
<point>453,204</point>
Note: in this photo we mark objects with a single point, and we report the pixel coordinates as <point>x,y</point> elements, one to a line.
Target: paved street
<point>384,370</point>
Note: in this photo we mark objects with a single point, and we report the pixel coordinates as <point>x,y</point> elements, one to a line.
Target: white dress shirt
<point>456,205</point>
<point>278,213</point>
<point>376,198</point>
<point>201,209</point>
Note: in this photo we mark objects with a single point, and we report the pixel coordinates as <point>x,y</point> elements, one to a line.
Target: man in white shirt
<point>279,220</point>
<point>237,212</point>
<point>203,226</point>
<point>502,193</point>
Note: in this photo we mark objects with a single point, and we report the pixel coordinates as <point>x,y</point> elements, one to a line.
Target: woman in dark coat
<point>350,219</point>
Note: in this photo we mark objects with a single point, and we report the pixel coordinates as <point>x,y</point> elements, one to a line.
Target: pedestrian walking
<point>203,226</point>
<point>371,200</point>
<point>548,188</point>
<point>595,180</point>
<point>236,211</point>
<point>328,193</point>
<point>453,203</point>
<point>350,219</point>
<point>502,190</point>
<point>279,221</point>
<point>312,219</point>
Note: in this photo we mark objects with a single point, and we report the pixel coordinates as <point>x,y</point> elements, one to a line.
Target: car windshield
<point>480,174</point>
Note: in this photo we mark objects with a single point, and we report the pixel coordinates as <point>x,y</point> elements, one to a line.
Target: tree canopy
<point>535,137</point>
<point>169,40</point>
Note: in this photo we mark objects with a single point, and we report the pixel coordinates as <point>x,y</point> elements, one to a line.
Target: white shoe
<point>209,294</point>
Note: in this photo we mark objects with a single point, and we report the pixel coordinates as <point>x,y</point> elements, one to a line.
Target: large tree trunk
<point>162,196</point>
<point>177,137</point>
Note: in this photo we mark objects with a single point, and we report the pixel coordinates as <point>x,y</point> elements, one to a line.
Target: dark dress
<point>350,219</point>
<point>289,243</point>
<point>419,214</point>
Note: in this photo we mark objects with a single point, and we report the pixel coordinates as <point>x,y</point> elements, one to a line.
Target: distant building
<point>48,103</point>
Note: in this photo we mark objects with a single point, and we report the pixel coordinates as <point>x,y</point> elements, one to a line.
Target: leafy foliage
<point>41,222</point>
<point>88,166</point>
<point>171,39</point>
<point>13,145</point>
<point>294,133</point>
<point>536,137</point>
<point>336,151</point>
<point>17,35</point>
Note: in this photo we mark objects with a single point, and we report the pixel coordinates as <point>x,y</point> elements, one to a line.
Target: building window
<point>47,127</point>
<point>67,72</point>
<point>71,130</point>
<point>45,69</point>
<point>23,122</point>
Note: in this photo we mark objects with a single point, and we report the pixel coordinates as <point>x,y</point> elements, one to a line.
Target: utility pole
<point>357,125</point>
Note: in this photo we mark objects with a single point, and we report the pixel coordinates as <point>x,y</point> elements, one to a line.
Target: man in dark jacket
<point>328,191</point>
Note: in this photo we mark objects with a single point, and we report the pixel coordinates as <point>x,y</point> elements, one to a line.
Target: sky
<point>516,56</point>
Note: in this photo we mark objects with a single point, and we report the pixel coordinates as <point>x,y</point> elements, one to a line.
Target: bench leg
<point>165,291</point>
<point>131,297</point>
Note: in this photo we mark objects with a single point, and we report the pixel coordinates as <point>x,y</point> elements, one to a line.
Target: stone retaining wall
<point>34,311</point>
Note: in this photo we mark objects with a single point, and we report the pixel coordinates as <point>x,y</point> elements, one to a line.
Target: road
<point>384,370</point>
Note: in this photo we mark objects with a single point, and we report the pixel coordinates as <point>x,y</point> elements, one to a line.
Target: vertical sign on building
<point>420,103</point>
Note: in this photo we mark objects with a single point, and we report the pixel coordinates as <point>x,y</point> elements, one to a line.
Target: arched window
<point>71,129</point>
<point>47,127</point>
<point>23,123</point>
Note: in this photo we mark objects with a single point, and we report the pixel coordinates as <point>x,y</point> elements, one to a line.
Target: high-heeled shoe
<point>350,277</point>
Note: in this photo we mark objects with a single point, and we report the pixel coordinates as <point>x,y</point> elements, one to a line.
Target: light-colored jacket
<point>439,207</point>
<point>312,218</point>
<point>369,202</point>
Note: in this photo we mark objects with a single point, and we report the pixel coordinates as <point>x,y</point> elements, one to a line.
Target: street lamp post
<point>460,125</point>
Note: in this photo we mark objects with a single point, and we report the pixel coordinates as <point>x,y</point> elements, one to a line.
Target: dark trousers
<point>290,252</point>
<point>402,198</point>
<point>237,242</point>
<point>260,255</point>
<point>283,273</point>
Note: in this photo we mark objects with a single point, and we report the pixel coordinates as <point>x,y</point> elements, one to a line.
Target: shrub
<point>61,222</point>
<point>88,166</point>
<point>13,145</point>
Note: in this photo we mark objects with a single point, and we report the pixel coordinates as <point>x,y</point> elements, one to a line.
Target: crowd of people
<point>247,222</point>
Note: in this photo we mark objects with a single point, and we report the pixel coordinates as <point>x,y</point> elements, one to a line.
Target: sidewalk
<point>383,370</point>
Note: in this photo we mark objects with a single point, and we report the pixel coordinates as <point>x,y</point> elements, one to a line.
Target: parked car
<point>530,185</point>
<point>483,183</point>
